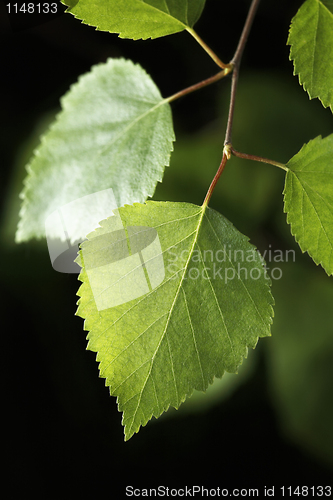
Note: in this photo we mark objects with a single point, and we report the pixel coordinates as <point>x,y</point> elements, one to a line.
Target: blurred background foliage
<point>269,425</point>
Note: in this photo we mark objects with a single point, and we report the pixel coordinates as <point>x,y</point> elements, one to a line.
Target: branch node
<point>227,150</point>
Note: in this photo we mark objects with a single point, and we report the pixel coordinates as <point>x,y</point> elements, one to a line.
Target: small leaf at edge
<point>311,40</point>
<point>138,18</point>
<point>308,200</point>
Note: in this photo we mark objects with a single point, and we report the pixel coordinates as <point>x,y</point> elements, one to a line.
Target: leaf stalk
<point>235,65</point>
<point>223,163</point>
<point>200,85</point>
<point>257,158</point>
<point>209,51</point>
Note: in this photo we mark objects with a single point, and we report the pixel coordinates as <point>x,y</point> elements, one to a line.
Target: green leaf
<point>114,131</point>
<point>138,18</point>
<point>311,40</point>
<point>308,200</point>
<point>187,315</point>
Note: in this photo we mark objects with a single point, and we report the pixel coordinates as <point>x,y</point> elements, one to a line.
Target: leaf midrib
<point>168,320</point>
<point>151,292</point>
<point>326,8</point>
<point>166,13</point>
<point>125,130</point>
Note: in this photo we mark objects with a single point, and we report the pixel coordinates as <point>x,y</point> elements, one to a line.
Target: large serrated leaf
<point>172,296</point>
<point>138,18</point>
<point>311,40</point>
<point>114,131</point>
<point>308,200</point>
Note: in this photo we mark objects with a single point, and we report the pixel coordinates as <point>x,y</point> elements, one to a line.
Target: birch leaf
<point>311,40</point>
<point>114,132</point>
<point>308,200</point>
<point>172,295</point>
<point>138,18</point>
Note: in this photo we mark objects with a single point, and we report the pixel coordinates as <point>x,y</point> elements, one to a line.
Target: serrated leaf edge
<point>28,180</point>
<point>122,35</point>
<point>286,210</point>
<point>299,73</point>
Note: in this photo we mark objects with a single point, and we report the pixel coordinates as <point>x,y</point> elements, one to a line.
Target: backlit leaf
<point>308,200</point>
<point>172,295</point>
<point>311,40</point>
<point>114,132</point>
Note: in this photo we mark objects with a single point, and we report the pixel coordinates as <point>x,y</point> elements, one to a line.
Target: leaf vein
<point>194,339</point>
<point>170,312</point>
<point>316,212</point>
<point>217,302</point>
<point>131,343</point>
<point>242,282</point>
<point>172,368</point>
<point>129,376</point>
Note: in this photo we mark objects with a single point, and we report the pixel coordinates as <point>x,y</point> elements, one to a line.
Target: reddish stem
<point>257,158</point>
<point>216,178</point>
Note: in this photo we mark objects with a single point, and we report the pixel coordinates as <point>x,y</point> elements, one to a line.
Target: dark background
<point>63,431</point>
